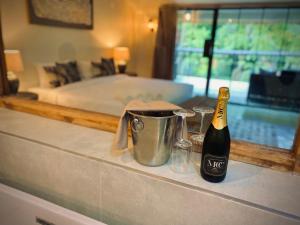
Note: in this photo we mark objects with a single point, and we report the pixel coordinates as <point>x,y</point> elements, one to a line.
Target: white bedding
<point>111,93</point>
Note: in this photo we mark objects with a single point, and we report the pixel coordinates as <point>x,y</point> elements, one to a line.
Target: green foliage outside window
<point>272,40</point>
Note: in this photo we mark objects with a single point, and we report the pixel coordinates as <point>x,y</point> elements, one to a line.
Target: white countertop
<point>255,186</point>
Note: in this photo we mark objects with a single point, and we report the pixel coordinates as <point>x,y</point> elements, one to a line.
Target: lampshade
<point>121,53</point>
<point>13,60</point>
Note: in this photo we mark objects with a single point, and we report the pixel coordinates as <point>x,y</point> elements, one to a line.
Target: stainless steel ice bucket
<point>152,136</point>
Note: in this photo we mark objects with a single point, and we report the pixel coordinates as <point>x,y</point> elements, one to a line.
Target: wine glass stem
<point>202,119</point>
<point>182,128</point>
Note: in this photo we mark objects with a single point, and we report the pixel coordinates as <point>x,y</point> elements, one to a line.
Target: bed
<point>110,94</point>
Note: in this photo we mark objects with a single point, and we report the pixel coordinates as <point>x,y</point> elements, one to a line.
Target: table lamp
<point>121,56</point>
<point>14,65</point>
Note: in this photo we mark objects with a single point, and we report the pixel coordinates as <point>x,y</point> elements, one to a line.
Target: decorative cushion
<point>45,77</point>
<point>58,74</point>
<point>101,69</point>
<point>59,79</point>
<point>69,71</point>
<point>86,70</point>
<point>55,83</point>
<point>109,65</point>
<point>106,66</point>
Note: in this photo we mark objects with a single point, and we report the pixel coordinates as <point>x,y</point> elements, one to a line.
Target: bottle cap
<point>224,93</point>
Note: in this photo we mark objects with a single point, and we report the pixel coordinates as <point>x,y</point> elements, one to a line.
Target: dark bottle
<point>216,145</point>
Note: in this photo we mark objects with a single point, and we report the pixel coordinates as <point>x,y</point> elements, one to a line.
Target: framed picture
<point>63,13</point>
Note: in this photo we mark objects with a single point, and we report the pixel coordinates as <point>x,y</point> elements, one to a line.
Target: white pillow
<point>86,70</point>
<point>44,77</point>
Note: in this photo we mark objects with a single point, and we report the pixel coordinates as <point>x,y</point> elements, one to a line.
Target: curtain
<point>4,89</point>
<point>165,43</point>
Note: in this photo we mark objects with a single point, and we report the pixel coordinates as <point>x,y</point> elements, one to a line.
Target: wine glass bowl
<point>181,157</point>
<point>202,110</point>
<point>181,150</point>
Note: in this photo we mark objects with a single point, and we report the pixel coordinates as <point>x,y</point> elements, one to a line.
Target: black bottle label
<point>214,165</point>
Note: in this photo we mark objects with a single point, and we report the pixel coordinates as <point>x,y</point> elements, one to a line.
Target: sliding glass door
<point>245,43</point>
<point>191,65</point>
<point>253,42</point>
<point>254,52</point>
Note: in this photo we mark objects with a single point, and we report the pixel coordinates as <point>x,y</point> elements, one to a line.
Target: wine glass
<point>203,110</point>
<point>197,139</point>
<point>181,150</point>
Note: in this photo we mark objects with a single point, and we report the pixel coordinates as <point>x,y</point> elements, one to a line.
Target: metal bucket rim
<point>152,117</point>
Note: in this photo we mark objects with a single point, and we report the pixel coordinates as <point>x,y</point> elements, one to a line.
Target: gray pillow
<point>69,71</point>
<point>59,80</point>
<point>106,66</point>
<point>99,66</point>
<point>109,65</point>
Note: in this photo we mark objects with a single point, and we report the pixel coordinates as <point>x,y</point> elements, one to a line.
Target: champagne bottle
<point>216,145</point>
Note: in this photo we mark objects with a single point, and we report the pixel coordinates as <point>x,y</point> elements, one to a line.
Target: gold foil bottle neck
<point>224,93</point>
<point>220,117</point>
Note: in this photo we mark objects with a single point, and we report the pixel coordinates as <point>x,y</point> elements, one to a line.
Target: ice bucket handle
<point>137,125</point>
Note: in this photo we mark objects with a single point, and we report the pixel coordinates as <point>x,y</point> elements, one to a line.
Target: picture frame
<point>60,13</point>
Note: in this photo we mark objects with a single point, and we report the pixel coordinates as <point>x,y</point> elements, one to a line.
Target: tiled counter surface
<point>45,157</point>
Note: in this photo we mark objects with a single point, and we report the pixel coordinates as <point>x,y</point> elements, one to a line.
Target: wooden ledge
<point>261,155</point>
<point>85,118</point>
<point>251,153</point>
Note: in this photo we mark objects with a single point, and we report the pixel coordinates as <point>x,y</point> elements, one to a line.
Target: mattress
<point>110,94</point>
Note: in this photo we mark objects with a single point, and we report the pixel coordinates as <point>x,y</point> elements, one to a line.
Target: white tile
<point>55,133</point>
<point>245,183</point>
<point>63,178</point>
<point>136,199</point>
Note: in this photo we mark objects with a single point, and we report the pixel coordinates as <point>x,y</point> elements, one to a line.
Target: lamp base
<point>13,86</point>
<point>122,68</point>
<point>13,82</point>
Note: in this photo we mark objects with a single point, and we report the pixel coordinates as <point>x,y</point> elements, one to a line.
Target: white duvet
<point>111,93</point>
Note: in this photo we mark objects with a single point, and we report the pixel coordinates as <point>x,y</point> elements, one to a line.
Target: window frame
<point>260,155</point>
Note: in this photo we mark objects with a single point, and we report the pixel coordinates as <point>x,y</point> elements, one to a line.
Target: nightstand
<point>27,95</point>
